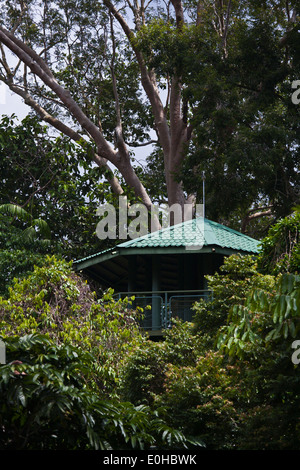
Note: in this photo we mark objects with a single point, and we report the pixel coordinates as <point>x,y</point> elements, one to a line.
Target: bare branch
<point>33,61</point>
<point>19,20</point>
<point>5,63</point>
<point>177,4</point>
<point>144,144</point>
<point>225,33</point>
<point>64,129</point>
<point>255,214</point>
<point>21,45</point>
<point>118,130</point>
<point>292,19</point>
<point>148,82</point>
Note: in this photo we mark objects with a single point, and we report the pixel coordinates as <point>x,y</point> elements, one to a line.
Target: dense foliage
<point>228,380</point>
<point>280,248</point>
<point>65,351</point>
<point>52,300</point>
<point>50,179</point>
<point>17,256</point>
<point>236,278</point>
<point>231,377</point>
<point>47,405</point>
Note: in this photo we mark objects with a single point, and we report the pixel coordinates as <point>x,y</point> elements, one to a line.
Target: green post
<point>166,311</point>
<point>156,304</point>
<point>132,267</point>
<point>2,352</point>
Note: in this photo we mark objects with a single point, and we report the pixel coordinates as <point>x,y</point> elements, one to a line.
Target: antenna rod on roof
<point>203,190</point>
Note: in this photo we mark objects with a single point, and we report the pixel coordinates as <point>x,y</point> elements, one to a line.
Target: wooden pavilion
<point>166,269</point>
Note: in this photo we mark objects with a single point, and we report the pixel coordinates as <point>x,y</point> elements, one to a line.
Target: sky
<point>11,103</point>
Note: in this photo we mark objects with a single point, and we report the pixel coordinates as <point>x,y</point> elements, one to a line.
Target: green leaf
<point>15,211</point>
<point>292,329</point>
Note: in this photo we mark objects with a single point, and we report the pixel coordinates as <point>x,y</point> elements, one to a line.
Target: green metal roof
<point>195,233</point>
<point>201,235</point>
<point>199,241</point>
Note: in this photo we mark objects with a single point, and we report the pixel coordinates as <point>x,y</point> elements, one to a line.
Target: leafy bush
<point>260,335</point>
<point>46,405</point>
<point>173,376</point>
<point>238,275</point>
<point>202,400</point>
<point>18,255</point>
<point>267,317</point>
<point>65,351</point>
<point>54,301</point>
<point>144,373</point>
<point>228,381</point>
<point>281,247</point>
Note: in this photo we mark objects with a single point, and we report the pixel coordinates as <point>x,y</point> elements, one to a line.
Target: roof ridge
<point>159,233</point>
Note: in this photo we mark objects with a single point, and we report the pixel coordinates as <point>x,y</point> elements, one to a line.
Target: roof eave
<point>114,253</point>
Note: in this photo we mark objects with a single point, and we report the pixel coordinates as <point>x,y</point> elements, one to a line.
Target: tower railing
<point>160,307</point>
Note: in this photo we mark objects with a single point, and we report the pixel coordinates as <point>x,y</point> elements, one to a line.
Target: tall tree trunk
<point>172,135</point>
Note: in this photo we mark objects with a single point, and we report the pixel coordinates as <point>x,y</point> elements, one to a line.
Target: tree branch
<point>292,19</point>
<point>255,215</point>
<point>144,144</point>
<point>105,150</point>
<point>64,129</point>
<point>177,4</point>
<point>148,82</point>
<point>225,33</point>
<point>40,69</point>
<point>119,128</point>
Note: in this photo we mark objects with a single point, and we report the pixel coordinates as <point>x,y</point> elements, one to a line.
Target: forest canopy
<point>202,87</point>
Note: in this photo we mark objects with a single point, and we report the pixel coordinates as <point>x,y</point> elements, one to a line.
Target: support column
<point>132,269</point>
<point>156,302</point>
<point>189,284</point>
